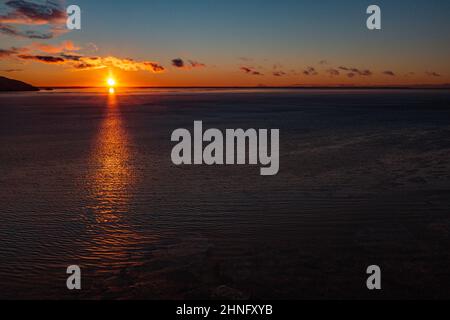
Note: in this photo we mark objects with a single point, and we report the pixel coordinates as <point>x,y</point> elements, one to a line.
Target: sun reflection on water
<point>113,177</point>
<point>111,180</point>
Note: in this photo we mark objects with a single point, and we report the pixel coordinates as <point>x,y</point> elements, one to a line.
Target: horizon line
<point>418,86</point>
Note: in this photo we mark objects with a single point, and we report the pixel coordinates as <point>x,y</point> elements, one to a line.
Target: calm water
<point>86,178</point>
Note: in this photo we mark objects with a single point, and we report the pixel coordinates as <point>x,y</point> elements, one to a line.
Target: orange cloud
<point>81,62</point>
<point>48,48</point>
<point>59,54</point>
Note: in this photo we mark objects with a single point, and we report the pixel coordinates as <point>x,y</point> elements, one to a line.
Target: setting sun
<point>111,82</point>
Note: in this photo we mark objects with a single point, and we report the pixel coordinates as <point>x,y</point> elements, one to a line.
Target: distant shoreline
<point>445,87</point>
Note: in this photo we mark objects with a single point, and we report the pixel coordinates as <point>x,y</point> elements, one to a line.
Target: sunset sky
<point>225,43</point>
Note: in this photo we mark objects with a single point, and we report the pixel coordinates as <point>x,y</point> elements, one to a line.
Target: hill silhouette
<point>7,84</point>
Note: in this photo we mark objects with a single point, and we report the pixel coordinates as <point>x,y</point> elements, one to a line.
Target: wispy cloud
<point>58,48</point>
<point>22,13</point>
<point>189,64</point>
<point>333,72</point>
<point>251,71</point>
<point>11,70</point>
<point>389,73</point>
<point>279,73</point>
<point>72,57</point>
<point>196,64</point>
<point>365,73</point>
<point>352,72</point>
<point>432,74</point>
<point>278,70</point>
<point>65,46</point>
<point>30,34</point>
<point>45,59</point>
<point>310,71</point>
<point>8,52</point>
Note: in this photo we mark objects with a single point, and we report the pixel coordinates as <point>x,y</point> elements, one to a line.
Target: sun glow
<point>111,82</point>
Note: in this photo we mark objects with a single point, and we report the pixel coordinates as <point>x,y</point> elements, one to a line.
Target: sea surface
<point>86,179</point>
